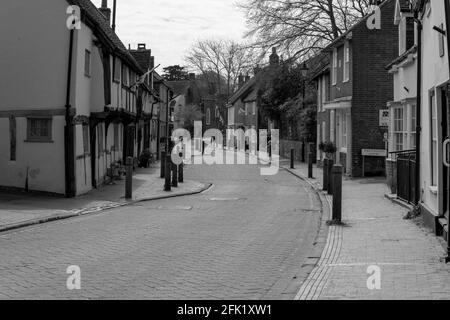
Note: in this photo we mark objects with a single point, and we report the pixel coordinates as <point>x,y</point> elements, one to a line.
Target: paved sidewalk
<point>20,210</point>
<point>408,256</point>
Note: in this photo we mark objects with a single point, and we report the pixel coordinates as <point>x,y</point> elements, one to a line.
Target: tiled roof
<point>90,12</point>
<point>143,57</point>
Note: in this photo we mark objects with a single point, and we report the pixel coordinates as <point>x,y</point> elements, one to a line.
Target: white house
<point>434,113</point>
<point>402,110</point>
<point>68,108</point>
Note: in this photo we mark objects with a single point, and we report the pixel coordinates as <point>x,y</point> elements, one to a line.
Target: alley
<point>248,237</point>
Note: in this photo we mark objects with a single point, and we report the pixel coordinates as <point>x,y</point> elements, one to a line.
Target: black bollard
<point>303,152</point>
<point>292,158</point>
<point>325,175</point>
<point>337,193</point>
<point>330,176</point>
<point>129,179</point>
<point>310,165</point>
<point>174,175</point>
<point>163,164</point>
<point>168,172</point>
<point>181,173</point>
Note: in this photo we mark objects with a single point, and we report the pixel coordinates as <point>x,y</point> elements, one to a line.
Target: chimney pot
<point>142,46</point>
<point>106,11</point>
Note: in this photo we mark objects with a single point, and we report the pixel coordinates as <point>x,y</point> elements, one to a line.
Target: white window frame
<point>398,131</point>
<point>346,61</point>
<point>87,63</point>
<point>335,67</point>
<point>434,139</point>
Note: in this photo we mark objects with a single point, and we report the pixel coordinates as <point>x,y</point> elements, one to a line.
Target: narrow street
<point>245,238</point>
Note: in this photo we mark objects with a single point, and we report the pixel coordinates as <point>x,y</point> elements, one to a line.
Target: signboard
<point>384,118</point>
<point>374,152</point>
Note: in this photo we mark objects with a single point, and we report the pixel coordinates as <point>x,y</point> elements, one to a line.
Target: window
<point>434,142</point>
<point>246,109</point>
<point>413,127</point>
<point>117,69</point>
<point>398,129</point>
<point>344,131</point>
<point>335,66</point>
<point>231,116</point>
<point>402,36</point>
<point>441,41</point>
<point>319,95</point>
<point>85,139</point>
<point>39,130</point>
<point>87,63</point>
<point>346,61</point>
<point>124,75</point>
<point>208,116</point>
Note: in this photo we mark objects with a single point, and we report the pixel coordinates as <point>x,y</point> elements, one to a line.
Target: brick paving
<point>24,209</point>
<point>248,237</point>
<point>409,256</point>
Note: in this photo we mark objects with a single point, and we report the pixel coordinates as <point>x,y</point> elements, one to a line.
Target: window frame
<point>434,141</point>
<point>208,116</point>
<point>398,131</point>
<point>346,72</point>
<point>40,139</point>
<point>87,63</point>
<point>86,144</point>
<point>117,67</point>
<point>335,67</point>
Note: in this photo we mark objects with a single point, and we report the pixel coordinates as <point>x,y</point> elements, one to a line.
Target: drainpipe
<point>68,130</point>
<point>418,107</point>
<point>447,33</point>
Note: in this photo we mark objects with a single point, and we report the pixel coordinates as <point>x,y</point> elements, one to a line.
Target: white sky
<point>170,27</point>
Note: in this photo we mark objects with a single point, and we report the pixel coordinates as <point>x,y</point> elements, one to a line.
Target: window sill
<point>39,141</point>
<point>433,190</point>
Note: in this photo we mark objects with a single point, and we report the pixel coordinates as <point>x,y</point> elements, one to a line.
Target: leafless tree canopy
<point>300,27</point>
<point>223,59</point>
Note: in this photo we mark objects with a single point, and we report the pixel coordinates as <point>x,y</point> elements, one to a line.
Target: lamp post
<point>304,72</point>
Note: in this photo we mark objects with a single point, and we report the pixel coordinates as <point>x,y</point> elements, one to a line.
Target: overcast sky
<point>169,27</point>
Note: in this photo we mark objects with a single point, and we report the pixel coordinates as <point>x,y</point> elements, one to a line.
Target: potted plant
<point>328,148</point>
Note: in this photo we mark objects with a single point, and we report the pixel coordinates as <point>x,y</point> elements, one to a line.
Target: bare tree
<point>225,59</point>
<point>300,27</point>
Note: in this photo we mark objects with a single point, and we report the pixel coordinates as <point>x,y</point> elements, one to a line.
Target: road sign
<point>374,152</point>
<point>384,118</point>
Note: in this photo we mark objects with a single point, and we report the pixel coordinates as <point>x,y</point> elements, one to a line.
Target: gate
<point>406,176</point>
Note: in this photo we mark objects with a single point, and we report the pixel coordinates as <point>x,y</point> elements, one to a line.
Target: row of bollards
<point>310,161</point>
<point>332,181</point>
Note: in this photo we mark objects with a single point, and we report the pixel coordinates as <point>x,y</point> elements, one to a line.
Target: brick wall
<point>373,87</point>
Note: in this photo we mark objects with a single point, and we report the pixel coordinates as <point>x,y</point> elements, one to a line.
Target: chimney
<point>274,58</point>
<point>192,76</point>
<point>142,46</point>
<point>152,62</point>
<point>241,80</point>
<point>106,11</point>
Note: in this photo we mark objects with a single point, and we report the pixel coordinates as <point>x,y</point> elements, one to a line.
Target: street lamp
<point>304,72</point>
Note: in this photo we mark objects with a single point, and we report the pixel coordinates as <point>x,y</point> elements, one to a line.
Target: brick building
<point>360,88</point>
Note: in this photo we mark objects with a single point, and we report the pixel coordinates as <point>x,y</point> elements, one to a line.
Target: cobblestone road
<point>249,237</point>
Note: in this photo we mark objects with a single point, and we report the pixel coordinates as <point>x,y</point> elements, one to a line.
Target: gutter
<point>418,108</point>
<point>68,129</point>
<point>447,21</point>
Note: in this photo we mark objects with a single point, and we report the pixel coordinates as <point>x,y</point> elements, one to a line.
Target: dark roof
<point>90,12</point>
<point>143,58</point>
<point>245,88</point>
